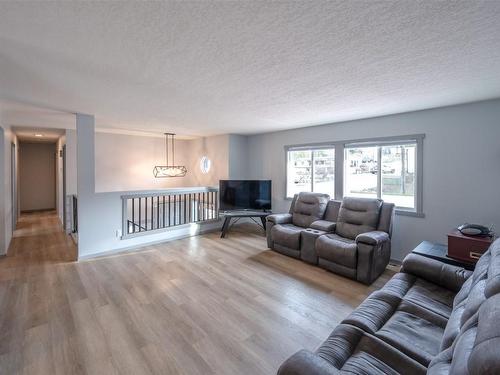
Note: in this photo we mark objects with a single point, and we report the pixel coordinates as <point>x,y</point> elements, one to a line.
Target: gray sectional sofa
<point>430,318</point>
<point>351,237</point>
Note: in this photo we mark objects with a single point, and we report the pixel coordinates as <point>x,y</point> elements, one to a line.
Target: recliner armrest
<point>280,218</point>
<point>446,275</point>
<point>324,225</point>
<point>374,238</point>
<point>306,362</point>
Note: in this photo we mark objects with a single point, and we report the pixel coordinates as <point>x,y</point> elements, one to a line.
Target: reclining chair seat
<point>284,230</point>
<point>287,235</point>
<point>360,248</point>
<point>337,249</point>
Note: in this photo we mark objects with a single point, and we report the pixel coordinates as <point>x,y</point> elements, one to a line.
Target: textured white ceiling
<point>201,68</point>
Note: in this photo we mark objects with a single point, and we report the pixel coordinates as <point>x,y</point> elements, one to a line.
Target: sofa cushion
<point>323,225</point>
<point>472,335</point>
<point>332,210</point>
<point>309,207</point>
<point>436,272</point>
<point>357,215</point>
<point>484,356</point>
<point>287,235</point>
<point>337,249</point>
<point>421,292</point>
<point>467,301</point>
<point>415,331</point>
<point>352,350</point>
<point>386,218</point>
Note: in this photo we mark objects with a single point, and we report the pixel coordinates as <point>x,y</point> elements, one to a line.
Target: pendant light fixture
<point>168,170</point>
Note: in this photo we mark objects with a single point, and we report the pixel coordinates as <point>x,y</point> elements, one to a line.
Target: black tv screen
<point>245,195</point>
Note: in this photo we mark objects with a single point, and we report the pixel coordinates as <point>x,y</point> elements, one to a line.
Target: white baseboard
<point>145,244</point>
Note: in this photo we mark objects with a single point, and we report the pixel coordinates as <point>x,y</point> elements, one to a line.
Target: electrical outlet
<point>118,233</point>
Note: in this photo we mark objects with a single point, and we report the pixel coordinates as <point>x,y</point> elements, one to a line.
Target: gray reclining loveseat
<point>351,237</point>
<point>431,317</point>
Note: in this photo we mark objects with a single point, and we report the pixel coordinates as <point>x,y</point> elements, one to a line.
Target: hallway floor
<point>199,305</point>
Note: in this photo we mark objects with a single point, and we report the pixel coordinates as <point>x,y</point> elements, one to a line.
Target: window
<point>386,171</point>
<point>310,170</point>
<point>386,168</point>
<point>205,164</point>
<point>398,175</point>
<point>360,172</point>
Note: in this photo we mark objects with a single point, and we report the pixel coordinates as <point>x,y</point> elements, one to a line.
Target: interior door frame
<point>63,152</point>
<point>13,184</point>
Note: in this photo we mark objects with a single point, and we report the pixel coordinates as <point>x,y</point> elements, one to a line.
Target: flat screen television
<point>244,195</point>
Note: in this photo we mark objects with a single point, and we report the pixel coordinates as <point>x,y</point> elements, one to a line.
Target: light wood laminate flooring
<point>200,305</point>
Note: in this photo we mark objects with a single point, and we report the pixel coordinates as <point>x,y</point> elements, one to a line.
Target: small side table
<point>439,252</point>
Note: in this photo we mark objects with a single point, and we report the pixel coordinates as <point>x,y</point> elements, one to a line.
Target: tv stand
<point>228,215</point>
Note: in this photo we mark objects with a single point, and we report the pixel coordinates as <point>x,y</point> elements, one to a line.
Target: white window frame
<point>340,147</point>
<point>311,148</point>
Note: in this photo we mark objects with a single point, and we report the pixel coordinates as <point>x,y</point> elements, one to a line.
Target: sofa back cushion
<point>358,215</point>
<point>309,207</point>
<point>472,335</point>
<point>386,218</point>
<point>332,210</point>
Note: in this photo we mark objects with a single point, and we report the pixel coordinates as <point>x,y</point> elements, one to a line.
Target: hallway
<point>31,276</point>
<point>39,238</point>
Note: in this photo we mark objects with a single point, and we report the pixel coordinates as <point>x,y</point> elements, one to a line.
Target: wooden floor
<point>201,305</point>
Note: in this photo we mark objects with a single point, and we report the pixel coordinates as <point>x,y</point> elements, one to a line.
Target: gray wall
<point>238,157</point>
<point>71,170</point>
<point>461,174</point>
<point>37,176</point>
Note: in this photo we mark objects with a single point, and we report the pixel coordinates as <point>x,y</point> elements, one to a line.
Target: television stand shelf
<point>228,215</point>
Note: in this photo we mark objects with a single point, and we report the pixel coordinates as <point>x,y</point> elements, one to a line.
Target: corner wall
<point>100,214</point>
<point>461,173</point>
<point>239,157</point>
<point>6,213</point>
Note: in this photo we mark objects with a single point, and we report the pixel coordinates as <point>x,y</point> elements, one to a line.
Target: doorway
<point>37,176</point>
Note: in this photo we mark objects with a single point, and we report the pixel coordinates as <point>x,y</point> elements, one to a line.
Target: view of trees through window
<point>386,171</point>
<point>311,170</point>
<point>360,172</point>
<point>397,178</point>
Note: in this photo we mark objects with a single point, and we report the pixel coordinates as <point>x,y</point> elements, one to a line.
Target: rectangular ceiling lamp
<point>169,171</point>
<point>161,171</point>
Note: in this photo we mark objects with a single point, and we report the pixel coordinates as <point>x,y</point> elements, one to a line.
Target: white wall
<point>217,150</point>
<point>59,178</point>
<point>125,162</point>
<point>37,182</point>
<point>461,173</point>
